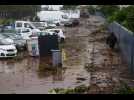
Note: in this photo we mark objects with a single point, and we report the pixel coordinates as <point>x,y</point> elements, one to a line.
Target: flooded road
<point>88,61</point>
<point>32,75</point>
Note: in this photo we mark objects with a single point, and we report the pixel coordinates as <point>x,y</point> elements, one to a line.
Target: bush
<point>108,10</point>
<point>77,90</point>
<point>124,16</point>
<point>125,89</point>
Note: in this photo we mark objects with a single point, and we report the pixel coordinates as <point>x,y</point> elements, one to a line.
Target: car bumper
<point>8,54</point>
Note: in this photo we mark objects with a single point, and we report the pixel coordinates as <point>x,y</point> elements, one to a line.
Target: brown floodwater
<point>35,75</point>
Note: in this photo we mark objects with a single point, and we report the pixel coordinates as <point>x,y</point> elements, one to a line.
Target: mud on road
<point>89,61</point>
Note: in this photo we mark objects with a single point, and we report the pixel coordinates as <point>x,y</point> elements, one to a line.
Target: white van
<point>25,33</point>
<point>25,25</point>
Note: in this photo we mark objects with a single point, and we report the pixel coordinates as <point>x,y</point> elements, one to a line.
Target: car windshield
<point>8,31</point>
<point>2,38</point>
<point>12,35</point>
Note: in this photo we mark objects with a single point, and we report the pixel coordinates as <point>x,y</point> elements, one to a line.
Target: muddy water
<point>33,75</point>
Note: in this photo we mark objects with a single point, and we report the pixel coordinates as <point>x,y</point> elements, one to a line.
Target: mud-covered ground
<point>87,61</point>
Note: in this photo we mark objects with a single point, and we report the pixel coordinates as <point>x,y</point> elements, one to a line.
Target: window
<point>19,25</point>
<point>64,16</point>
<point>25,31</point>
<point>26,25</point>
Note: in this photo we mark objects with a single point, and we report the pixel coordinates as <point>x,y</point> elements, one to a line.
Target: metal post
<point>56,58</point>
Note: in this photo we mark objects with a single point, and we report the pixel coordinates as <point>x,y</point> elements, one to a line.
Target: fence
<point>125,41</point>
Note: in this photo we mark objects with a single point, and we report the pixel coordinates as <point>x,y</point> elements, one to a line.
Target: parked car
<point>72,23</point>
<point>25,25</point>
<point>84,15</point>
<point>25,33</point>
<point>51,25</point>
<point>40,25</point>
<point>59,32</point>
<point>75,22</point>
<point>7,48</point>
<point>19,42</point>
<point>57,23</point>
<point>68,24</point>
<point>5,40</point>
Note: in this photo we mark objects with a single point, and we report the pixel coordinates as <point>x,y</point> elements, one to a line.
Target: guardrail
<point>125,40</point>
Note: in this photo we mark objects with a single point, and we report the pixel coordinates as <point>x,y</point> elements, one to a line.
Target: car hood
<point>21,42</point>
<point>5,47</point>
<point>7,41</point>
<point>36,30</point>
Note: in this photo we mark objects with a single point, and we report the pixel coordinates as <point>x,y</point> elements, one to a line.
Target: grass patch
<point>77,90</point>
<point>125,89</point>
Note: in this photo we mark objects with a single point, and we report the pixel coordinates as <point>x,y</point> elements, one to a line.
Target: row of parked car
<point>14,39</point>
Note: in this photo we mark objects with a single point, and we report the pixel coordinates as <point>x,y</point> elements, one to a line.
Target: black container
<point>47,43</point>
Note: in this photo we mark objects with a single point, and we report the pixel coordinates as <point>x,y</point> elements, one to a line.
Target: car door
<point>25,33</point>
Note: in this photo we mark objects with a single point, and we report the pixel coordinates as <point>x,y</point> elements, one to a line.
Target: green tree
<point>108,10</point>
<point>91,9</point>
<point>19,11</point>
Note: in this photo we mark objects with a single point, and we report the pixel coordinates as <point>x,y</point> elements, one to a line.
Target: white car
<point>52,25</point>
<point>26,33</point>
<point>40,25</point>
<point>5,40</point>
<point>59,32</point>
<point>7,50</point>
